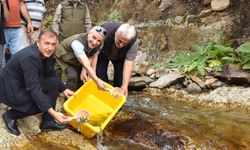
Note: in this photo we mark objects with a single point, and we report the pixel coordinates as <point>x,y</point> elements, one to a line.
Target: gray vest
<point>72,19</point>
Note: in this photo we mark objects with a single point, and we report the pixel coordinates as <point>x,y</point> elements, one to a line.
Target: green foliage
<point>211,55</point>
<point>48,22</point>
<point>244,54</point>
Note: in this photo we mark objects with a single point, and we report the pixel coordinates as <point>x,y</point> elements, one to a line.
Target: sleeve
<point>62,86</point>
<point>132,52</point>
<point>88,22</point>
<point>57,19</point>
<point>32,81</point>
<point>78,48</point>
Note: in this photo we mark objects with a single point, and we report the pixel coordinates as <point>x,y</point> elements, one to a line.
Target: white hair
<point>127,31</point>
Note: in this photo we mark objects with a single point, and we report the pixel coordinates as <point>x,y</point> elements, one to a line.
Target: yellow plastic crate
<point>100,104</point>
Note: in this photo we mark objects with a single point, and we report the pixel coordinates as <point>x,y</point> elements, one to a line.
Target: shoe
<point>11,124</point>
<point>52,126</point>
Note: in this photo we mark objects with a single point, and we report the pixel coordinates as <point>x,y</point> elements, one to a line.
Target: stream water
<point>206,128</point>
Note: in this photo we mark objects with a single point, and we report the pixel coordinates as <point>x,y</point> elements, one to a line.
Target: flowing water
<point>206,128</point>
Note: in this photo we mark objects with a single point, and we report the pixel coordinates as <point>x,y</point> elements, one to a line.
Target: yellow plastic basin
<point>100,104</point>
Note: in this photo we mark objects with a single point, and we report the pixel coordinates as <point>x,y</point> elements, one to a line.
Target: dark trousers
<point>50,87</point>
<point>73,77</point>
<point>102,68</point>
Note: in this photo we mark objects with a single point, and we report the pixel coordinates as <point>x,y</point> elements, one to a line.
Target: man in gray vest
<point>120,47</point>
<point>71,17</point>
<point>76,58</point>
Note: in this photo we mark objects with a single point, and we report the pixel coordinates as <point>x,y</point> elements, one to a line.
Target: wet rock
<point>144,132</point>
<point>59,140</point>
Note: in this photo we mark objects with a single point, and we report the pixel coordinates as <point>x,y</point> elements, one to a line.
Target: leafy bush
<point>211,55</point>
<point>244,54</point>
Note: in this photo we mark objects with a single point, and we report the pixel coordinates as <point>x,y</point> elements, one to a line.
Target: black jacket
<point>22,77</point>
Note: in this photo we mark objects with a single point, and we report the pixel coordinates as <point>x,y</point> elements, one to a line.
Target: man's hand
<point>84,76</point>
<point>100,84</point>
<point>61,118</point>
<point>30,28</point>
<point>125,90</point>
<point>68,93</point>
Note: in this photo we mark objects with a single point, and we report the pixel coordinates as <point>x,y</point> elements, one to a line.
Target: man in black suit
<point>29,86</point>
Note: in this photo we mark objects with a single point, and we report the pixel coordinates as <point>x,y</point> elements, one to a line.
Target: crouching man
<point>28,84</point>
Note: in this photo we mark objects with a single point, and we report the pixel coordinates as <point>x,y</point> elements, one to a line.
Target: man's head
<point>124,34</point>
<point>46,43</point>
<point>96,36</point>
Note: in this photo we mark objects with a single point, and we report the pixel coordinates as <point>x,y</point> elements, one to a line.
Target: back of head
<point>128,31</point>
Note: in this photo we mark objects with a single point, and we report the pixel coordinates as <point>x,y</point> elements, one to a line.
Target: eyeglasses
<point>100,30</point>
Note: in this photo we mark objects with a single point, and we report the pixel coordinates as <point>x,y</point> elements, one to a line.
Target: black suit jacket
<point>22,77</point>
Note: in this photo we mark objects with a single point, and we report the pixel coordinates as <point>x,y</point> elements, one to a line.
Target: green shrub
<point>211,55</point>
<point>244,53</point>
